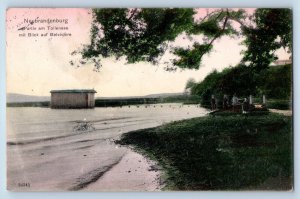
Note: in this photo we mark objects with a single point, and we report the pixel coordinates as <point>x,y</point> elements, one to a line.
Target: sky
<point>36,65</point>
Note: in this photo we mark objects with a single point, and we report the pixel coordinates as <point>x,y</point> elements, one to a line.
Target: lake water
<point>59,149</point>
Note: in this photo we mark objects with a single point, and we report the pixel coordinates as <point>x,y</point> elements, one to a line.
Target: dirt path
<point>283,112</point>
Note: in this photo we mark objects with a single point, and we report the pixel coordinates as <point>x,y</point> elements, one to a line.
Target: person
<point>245,106</point>
<point>213,103</point>
<point>225,102</point>
<point>234,101</point>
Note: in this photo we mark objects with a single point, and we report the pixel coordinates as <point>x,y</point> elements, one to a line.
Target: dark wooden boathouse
<point>68,99</point>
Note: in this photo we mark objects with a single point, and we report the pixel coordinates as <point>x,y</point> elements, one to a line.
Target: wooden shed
<point>64,99</point>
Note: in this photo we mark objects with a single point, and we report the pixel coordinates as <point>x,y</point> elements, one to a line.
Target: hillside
<point>15,98</point>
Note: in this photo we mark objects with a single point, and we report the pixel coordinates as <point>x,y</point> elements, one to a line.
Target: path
<point>283,112</point>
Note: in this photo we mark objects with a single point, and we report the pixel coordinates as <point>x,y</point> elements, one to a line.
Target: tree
<point>275,82</point>
<point>146,34</point>
<point>272,30</point>
<point>190,83</point>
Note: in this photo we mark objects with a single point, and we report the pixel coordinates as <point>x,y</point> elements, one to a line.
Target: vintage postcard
<point>149,99</point>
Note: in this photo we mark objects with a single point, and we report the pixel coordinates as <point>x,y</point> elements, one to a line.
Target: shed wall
<point>72,100</point>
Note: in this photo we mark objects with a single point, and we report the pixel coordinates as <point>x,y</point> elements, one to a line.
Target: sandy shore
<point>133,173</point>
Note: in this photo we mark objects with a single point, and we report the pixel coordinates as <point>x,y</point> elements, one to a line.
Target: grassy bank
<point>221,152</point>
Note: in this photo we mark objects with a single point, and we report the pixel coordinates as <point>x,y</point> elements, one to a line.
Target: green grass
<point>279,104</point>
<point>220,152</point>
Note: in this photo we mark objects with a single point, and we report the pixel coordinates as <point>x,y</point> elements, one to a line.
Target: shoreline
<point>134,172</point>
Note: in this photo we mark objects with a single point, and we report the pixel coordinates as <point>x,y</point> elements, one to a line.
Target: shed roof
<point>74,91</point>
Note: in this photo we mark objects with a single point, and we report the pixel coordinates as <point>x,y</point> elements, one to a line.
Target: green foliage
<point>238,80</point>
<point>279,104</point>
<point>220,152</point>
<point>145,34</point>
<point>190,83</point>
<point>137,34</point>
<point>274,82</point>
<point>209,28</point>
<point>272,30</point>
<point>191,58</point>
<point>207,87</point>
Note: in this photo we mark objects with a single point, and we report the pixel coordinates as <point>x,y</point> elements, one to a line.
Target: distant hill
<point>164,95</point>
<point>15,98</point>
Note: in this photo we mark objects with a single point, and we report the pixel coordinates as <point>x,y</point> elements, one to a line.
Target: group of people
<point>235,104</point>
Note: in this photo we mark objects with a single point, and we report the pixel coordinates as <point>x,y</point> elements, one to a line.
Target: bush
<point>279,104</point>
<point>274,82</point>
